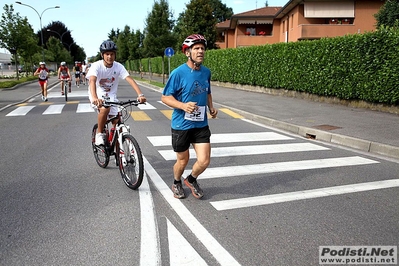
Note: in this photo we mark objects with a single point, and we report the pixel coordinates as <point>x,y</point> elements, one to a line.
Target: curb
<point>355,143</point>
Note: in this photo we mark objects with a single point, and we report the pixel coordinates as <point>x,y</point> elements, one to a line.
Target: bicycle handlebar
<point>122,103</point>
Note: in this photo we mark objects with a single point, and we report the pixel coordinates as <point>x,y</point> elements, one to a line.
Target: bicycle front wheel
<point>66,91</point>
<point>131,163</point>
<point>100,154</point>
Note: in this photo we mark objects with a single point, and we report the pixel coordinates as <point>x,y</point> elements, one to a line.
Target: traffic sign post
<point>169,52</point>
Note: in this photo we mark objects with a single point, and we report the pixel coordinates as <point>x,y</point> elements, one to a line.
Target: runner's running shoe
<point>178,191</point>
<point>195,188</point>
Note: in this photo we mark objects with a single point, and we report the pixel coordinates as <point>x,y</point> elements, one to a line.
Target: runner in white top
<point>84,67</point>
<point>43,73</point>
<point>103,78</point>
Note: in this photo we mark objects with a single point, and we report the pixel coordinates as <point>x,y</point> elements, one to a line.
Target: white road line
<point>150,252</point>
<point>164,104</point>
<point>180,250</point>
<point>20,111</point>
<point>57,94</point>
<point>226,138</point>
<point>301,195</point>
<point>146,106</point>
<point>240,170</point>
<point>84,108</point>
<point>54,109</point>
<point>210,243</point>
<point>250,150</point>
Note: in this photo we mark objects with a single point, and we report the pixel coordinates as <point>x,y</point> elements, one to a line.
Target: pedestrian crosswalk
<point>50,108</point>
<point>257,144</point>
<point>139,113</point>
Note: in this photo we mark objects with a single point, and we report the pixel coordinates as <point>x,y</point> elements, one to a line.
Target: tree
<point>220,11</point>
<point>136,49</point>
<point>113,35</point>
<point>57,52</point>
<point>388,15</point>
<point>16,34</point>
<point>80,54</point>
<point>158,30</point>
<point>59,31</point>
<point>123,44</point>
<point>198,18</point>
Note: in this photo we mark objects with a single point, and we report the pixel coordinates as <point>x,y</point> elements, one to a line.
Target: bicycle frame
<point>65,87</point>
<point>120,129</point>
<point>122,145</point>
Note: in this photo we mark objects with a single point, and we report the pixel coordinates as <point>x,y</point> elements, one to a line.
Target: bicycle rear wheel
<point>131,163</point>
<point>100,154</point>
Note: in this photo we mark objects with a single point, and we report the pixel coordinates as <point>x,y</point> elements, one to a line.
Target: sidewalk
<point>363,129</point>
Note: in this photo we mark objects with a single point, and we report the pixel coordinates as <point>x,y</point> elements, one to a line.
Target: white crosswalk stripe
<point>146,106</point>
<point>250,150</point>
<point>300,195</point>
<point>226,138</point>
<point>287,166</point>
<point>84,108</point>
<point>270,167</point>
<point>58,108</point>
<point>54,109</point>
<point>73,94</point>
<point>20,111</point>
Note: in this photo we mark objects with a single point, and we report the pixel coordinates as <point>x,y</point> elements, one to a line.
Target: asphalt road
<point>271,197</point>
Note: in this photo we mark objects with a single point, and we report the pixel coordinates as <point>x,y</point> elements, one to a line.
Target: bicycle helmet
<point>108,46</point>
<point>63,64</point>
<point>42,63</point>
<point>193,39</point>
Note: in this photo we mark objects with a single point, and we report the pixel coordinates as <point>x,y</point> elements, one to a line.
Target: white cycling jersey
<point>107,80</point>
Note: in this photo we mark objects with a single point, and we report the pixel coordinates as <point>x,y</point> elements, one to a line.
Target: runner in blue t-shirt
<point>188,91</point>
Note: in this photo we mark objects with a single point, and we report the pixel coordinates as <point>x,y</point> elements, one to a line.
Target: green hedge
<point>353,67</point>
<point>9,83</point>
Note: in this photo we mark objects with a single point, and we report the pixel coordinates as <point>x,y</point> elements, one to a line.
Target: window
<point>252,31</point>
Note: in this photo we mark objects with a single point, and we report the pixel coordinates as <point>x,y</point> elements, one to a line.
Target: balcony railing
<point>317,31</point>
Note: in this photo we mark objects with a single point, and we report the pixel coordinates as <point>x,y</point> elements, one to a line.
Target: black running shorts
<point>181,139</point>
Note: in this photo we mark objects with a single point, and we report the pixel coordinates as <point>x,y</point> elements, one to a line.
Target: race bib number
<point>198,115</point>
<point>43,74</point>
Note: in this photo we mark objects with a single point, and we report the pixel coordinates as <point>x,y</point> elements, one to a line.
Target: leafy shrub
<point>353,67</point>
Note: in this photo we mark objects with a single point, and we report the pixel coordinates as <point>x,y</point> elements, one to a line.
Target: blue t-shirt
<point>187,85</point>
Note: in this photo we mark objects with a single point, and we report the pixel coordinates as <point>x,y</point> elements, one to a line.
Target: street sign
<point>169,52</point>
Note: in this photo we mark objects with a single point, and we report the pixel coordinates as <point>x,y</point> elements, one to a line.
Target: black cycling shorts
<point>181,139</point>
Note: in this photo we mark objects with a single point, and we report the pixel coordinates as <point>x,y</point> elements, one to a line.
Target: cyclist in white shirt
<point>103,78</point>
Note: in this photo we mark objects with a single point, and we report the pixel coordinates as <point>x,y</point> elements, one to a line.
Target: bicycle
<point>120,143</point>
<point>66,89</point>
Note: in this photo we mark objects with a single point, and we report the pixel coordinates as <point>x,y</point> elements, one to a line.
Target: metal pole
<point>40,18</point>
<point>60,35</point>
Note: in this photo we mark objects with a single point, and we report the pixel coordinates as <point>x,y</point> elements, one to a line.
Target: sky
<point>91,21</point>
